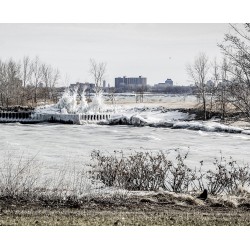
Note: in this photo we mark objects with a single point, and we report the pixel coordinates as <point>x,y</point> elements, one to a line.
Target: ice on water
<point>147,127</point>
<point>139,115</point>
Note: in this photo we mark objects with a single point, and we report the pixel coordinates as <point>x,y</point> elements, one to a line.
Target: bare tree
<point>50,78</point>
<point>236,48</point>
<point>36,75</point>
<point>212,86</point>
<point>3,82</point>
<point>10,83</point>
<point>46,77</point>
<point>198,72</point>
<point>97,70</point>
<point>14,74</point>
<point>221,94</point>
<point>26,71</point>
<point>22,82</point>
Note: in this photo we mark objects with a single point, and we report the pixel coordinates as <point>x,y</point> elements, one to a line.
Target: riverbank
<point>152,209</point>
<point>164,103</point>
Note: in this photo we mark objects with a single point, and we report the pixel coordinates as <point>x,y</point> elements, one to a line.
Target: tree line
<point>228,90</point>
<point>27,82</point>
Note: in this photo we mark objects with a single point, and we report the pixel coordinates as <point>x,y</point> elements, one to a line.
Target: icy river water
<point>56,145</point>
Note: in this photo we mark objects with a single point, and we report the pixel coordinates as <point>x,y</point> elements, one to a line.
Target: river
<point>58,145</point>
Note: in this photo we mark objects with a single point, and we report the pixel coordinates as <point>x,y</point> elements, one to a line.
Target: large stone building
<point>130,83</point>
<point>169,82</point>
<point>162,86</point>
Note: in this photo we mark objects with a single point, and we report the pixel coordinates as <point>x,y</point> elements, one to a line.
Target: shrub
<point>228,177</point>
<point>153,171</point>
<point>143,171</point>
<point>18,177</point>
<point>179,177</point>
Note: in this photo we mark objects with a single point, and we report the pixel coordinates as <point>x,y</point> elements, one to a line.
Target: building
<point>162,86</point>
<point>104,84</point>
<point>169,83</point>
<point>130,83</point>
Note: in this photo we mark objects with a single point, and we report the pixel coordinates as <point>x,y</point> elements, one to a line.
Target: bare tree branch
<point>97,70</point>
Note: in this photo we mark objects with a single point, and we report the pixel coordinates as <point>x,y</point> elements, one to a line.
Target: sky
<point>156,51</point>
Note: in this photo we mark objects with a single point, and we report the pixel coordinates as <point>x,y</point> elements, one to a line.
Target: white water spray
<point>97,104</point>
<point>69,104</point>
<point>83,105</point>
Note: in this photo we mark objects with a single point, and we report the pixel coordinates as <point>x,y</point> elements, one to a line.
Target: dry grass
<point>72,198</point>
<point>127,209</point>
<point>176,216</point>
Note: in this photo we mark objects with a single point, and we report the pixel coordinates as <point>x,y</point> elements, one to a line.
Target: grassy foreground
<point>128,196</point>
<point>144,212</point>
<point>170,217</point>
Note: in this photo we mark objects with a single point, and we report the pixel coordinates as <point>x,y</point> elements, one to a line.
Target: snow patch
<point>207,126</point>
<point>174,120</point>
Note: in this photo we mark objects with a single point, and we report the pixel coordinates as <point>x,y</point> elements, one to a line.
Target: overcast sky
<point>156,51</point>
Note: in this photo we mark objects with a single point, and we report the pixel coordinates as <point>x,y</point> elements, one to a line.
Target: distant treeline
<point>176,90</point>
<point>27,82</point>
<point>165,90</point>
